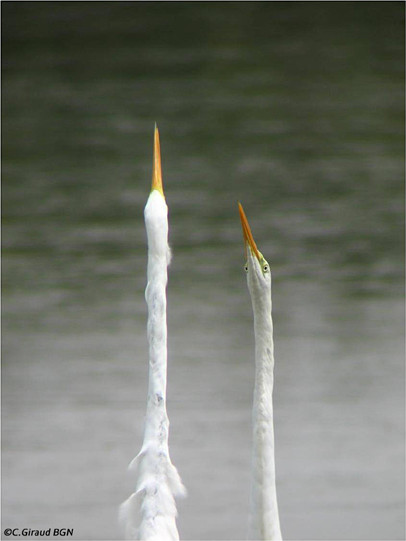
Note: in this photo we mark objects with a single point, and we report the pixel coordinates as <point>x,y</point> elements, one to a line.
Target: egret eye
<point>265,268</point>
<point>246,267</point>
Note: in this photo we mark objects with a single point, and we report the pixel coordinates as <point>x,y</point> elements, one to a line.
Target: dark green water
<point>295,109</point>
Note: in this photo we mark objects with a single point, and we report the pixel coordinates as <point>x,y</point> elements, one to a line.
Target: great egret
<point>264,516</point>
<point>150,512</point>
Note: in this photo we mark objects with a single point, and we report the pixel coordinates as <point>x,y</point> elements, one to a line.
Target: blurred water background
<point>297,110</point>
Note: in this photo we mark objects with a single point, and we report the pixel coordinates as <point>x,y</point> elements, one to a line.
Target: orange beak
<point>246,231</point>
<point>156,165</point>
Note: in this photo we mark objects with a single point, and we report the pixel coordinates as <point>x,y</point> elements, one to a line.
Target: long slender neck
<point>150,512</point>
<point>264,519</point>
<point>157,423</point>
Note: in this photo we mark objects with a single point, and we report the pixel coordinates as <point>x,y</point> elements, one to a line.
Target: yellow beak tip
<point>246,231</point>
<point>156,165</point>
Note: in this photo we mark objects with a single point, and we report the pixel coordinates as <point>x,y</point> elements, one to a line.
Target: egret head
<point>256,266</point>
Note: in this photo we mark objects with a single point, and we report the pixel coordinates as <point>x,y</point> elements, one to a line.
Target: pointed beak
<point>246,231</point>
<point>156,165</point>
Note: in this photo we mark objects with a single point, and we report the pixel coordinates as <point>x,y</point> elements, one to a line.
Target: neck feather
<point>150,512</point>
<point>264,520</point>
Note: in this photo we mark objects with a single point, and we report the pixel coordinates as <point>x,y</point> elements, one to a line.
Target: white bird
<point>264,516</point>
<point>150,512</point>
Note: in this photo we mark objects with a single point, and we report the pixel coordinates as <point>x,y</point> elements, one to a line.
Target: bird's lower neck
<point>264,523</point>
<point>155,295</point>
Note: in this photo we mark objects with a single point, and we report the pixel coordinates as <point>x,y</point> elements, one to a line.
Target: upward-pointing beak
<point>156,165</point>
<point>246,231</point>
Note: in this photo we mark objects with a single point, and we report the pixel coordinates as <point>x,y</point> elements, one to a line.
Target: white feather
<point>264,516</point>
<point>150,512</point>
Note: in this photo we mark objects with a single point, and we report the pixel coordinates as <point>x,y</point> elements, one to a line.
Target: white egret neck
<point>150,512</point>
<point>264,516</point>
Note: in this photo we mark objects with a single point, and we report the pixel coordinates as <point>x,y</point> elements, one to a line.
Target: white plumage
<point>150,512</point>
<point>264,516</point>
